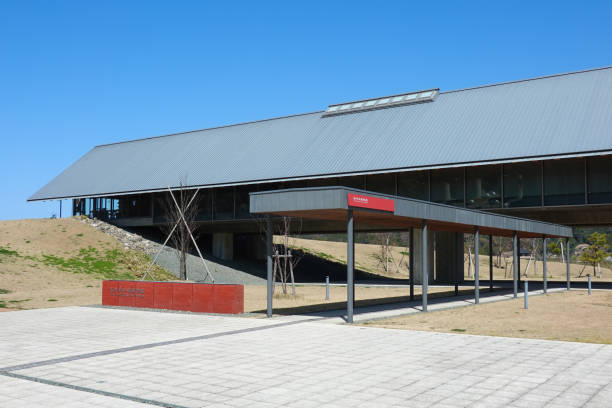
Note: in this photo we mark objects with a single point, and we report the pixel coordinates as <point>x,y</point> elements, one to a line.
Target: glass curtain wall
<point>564,182</point>
<point>352,182</point>
<point>483,187</point>
<point>223,203</point>
<point>447,186</point>
<point>381,183</point>
<point>242,201</point>
<point>522,184</point>
<point>414,184</point>
<point>599,177</point>
<point>205,205</point>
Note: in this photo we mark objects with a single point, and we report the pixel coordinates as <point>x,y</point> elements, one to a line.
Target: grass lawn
<point>569,316</point>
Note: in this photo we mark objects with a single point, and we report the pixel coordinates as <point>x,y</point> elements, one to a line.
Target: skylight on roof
<point>384,102</point>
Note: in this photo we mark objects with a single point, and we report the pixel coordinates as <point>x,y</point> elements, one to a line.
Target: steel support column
<point>269,263</point>
<point>567,264</point>
<point>491,263</point>
<point>411,263</point>
<point>424,271</point>
<point>544,271</point>
<point>350,264</point>
<point>476,265</point>
<point>518,261</point>
<point>515,263</point>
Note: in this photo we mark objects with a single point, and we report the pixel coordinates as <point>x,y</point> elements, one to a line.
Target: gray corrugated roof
<point>549,116</point>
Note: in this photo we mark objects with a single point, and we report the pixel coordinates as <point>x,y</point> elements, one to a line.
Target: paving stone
<point>235,362</point>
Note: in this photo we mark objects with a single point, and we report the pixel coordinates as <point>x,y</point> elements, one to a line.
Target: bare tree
<point>468,243</point>
<point>499,246</point>
<point>384,255</point>
<point>174,212</point>
<point>285,261</point>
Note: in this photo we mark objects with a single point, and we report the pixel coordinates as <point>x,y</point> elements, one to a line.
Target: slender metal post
<point>526,294</point>
<point>350,263</point>
<point>327,288</point>
<point>411,263</point>
<point>476,265</point>
<point>544,271</point>
<point>490,263</point>
<point>269,265</point>
<point>425,273</point>
<point>518,260</point>
<point>515,263</point>
<point>567,265</point>
<point>589,278</point>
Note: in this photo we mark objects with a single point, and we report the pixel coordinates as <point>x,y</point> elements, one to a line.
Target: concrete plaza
<point>87,356</point>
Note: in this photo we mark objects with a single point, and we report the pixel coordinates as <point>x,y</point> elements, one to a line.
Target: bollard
<point>526,294</point>
<point>589,276</point>
<point>327,288</point>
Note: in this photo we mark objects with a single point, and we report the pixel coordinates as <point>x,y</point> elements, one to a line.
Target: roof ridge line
<point>528,79</point>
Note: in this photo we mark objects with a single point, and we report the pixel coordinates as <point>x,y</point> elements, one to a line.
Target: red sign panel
<point>193,297</point>
<point>373,203</point>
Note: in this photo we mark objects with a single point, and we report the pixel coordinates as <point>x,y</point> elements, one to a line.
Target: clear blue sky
<point>77,74</point>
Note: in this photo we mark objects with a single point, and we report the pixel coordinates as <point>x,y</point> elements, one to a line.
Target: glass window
<point>522,185</point>
<point>599,179</point>
<point>381,183</point>
<point>159,207</point>
<point>242,202</point>
<point>483,187</point>
<point>223,203</point>
<point>132,205</point>
<point>352,182</point>
<point>564,182</point>
<point>267,187</point>
<point>413,184</point>
<point>295,184</point>
<point>447,186</point>
<point>204,204</point>
<point>326,182</point>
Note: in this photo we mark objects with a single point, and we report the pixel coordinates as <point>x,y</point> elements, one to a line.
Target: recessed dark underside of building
<point>576,192</point>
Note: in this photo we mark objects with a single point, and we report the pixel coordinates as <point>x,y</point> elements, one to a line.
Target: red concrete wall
<point>192,297</point>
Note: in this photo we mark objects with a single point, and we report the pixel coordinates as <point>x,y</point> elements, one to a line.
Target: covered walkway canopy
<point>385,211</point>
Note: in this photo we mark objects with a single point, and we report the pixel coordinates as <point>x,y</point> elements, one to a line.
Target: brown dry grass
<point>367,256</point>
<point>367,259</point>
<point>61,237</point>
<point>29,281</point>
<point>310,298</point>
<point>556,271</point>
<point>569,316</point>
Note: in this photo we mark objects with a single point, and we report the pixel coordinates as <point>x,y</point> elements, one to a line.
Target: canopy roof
<point>557,116</point>
<point>373,209</point>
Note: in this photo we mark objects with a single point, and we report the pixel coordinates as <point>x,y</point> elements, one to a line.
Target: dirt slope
<point>60,262</point>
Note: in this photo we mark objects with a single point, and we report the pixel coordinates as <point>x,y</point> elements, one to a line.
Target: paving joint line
<point>91,390</point>
<point>146,346</point>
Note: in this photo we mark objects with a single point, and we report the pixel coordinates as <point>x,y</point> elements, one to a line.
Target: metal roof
<point>561,115</point>
<point>331,203</point>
